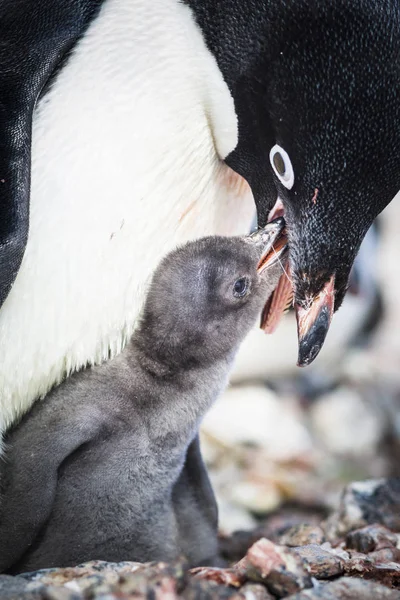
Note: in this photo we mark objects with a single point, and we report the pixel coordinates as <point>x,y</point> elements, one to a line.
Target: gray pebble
<point>321,564</point>
<point>347,588</point>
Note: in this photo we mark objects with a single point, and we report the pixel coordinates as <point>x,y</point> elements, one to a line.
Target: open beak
<point>313,323</point>
<point>272,240</point>
<point>275,244</point>
<point>281,299</point>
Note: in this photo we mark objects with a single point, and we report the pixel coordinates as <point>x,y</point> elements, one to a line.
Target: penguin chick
<point>102,468</point>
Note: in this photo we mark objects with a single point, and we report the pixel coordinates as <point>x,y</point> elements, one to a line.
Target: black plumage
<point>322,80</point>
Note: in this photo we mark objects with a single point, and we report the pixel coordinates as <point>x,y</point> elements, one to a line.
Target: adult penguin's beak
<point>313,323</point>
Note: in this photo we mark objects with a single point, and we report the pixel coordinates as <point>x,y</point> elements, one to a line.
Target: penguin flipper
<point>36,36</point>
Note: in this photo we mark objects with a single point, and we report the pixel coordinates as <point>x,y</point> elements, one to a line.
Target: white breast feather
<point>127,149</point>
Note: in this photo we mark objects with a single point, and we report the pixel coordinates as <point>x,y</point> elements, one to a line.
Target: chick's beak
<point>267,237</point>
<point>313,322</point>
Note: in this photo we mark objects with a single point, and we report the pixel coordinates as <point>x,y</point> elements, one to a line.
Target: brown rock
<point>348,588</point>
<point>358,563</point>
<point>379,566</point>
<point>370,538</point>
<point>302,535</point>
<point>320,563</point>
<point>281,570</point>
<point>232,577</point>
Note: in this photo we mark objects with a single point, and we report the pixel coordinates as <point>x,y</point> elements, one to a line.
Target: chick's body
<point>108,466</point>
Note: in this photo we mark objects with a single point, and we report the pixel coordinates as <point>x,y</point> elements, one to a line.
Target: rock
<point>92,585</point>
<point>111,571</point>
<point>255,591</point>
<point>281,570</point>
<point>370,538</point>
<point>385,555</point>
<point>358,564</point>
<point>346,424</point>
<point>366,503</point>
<point>336,550</point>
<point>59,593</point>
<point>320,563</point>
<point>200,589</point>
<point>161,586</point>
<point>233,547</point>
<point>348,588</point>
<point>16,588</point>
<point>254,414</point>
<point>107,581</point>
<point>302,535</point>
<point>221,576</point>
<point>162,579</point>
<point>381,566</point>
<point>287,518</point>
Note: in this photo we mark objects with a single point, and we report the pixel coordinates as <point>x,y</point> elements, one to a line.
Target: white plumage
<point>127,149</point>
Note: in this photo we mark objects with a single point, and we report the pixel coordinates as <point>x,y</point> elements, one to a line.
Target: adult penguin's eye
<point>241,287</point>
<point>282,166</point>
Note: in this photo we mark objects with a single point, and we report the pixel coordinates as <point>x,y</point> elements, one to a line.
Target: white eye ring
<point>279,159</point>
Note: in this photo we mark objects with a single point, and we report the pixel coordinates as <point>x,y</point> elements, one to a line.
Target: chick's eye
<point>282,166</point>
<point>241,287</point>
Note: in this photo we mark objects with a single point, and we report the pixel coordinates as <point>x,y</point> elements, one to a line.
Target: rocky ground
<point>354,554</point>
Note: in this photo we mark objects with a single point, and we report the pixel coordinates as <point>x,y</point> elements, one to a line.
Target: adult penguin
<point>139,106</point>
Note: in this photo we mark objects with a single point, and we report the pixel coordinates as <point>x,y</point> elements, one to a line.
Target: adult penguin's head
<point>316,85</point>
